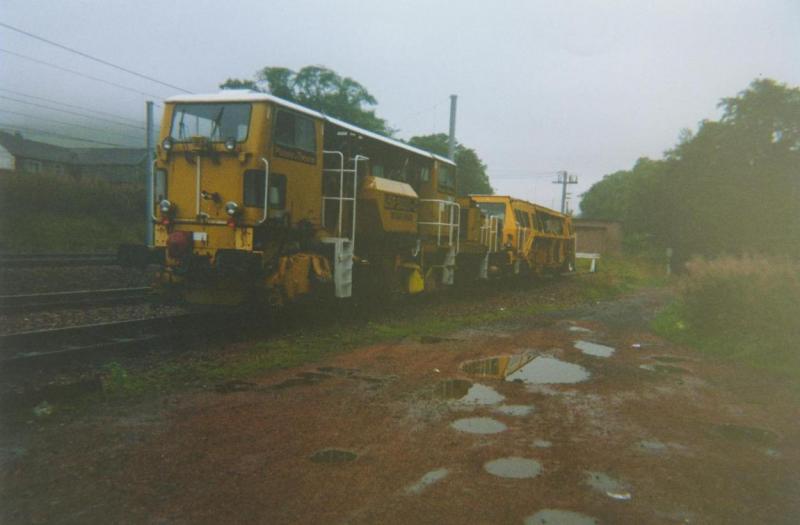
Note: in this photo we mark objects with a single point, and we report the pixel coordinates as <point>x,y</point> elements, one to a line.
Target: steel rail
<point>43,301</point>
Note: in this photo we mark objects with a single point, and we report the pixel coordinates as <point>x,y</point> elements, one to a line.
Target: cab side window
<point>254,190</point>
<point>295,131</point>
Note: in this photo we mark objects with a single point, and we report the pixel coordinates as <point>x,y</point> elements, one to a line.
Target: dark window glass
<point>217,122</point>
<point>494,209</point>
<point>446,177</point>
<point>295,131</point>
<point>254,190</point>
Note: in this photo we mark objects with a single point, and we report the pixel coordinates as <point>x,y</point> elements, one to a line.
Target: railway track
<point>79,341</point>
<point>56,259</point>
<point>43,301</point>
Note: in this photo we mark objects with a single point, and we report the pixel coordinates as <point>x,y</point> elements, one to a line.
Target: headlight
<point>167,144</point>
<point>230,144</point>
<point>165,206</point>
<point>231,208</point>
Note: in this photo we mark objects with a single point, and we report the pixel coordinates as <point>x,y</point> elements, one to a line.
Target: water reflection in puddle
<point>467,393</point>
<point>515,410</point>
<point>602,482</point>
<point>579,329</point>
<point>333,455</point>
<point>527,368</point>
<point>451,389</point>
<point>479,425</point>
<point>594,349</point>
<point>652,445</point>
<point>513,467</point>
<point>559,517</point>
<point>427,480</point>
<point>542,443</point>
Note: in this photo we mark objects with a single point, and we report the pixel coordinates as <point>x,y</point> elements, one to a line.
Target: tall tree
<point>472,177</point>
<point>318,88</point>
<point>731,187</point>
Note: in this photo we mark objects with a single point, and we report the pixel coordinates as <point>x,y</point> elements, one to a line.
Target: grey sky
<point>543,86</point>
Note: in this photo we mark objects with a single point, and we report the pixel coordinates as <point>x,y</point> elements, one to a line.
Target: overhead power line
<point>12,127</point>
<point>20,93</point>
<point>71,124</point>
<point>78,73</point>
<point>69,112</point>
<point>90,57</point>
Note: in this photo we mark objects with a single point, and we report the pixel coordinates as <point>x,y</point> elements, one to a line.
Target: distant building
<point>18,154</point>
<point>595,236</point>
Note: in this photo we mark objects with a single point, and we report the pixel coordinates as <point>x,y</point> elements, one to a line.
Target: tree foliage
<point>472,177</point>
<point>318,88</point>
<point>732,187</point>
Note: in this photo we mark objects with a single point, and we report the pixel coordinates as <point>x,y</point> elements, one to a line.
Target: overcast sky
<point>543,86</point>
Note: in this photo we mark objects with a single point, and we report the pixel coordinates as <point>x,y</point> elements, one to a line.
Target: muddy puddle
<point>479,425</point>
<point>605,484</point>
<point>461,391</point>
<point>579,329</point>
<point>664,369</point>
<point>513,467</point>
<point>527,368</point>
<point>652,446</point>
<point>559,517</point>
<point>333,455</point>
<point>756,435</point>
<point>515,410</point>
<point>434,476</point>
<point>594,349</point>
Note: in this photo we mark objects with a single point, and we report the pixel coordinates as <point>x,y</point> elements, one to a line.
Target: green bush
<point>746,307</point>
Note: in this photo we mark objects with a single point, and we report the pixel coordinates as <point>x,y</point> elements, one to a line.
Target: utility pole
<point>451,144</point>
<point>565,178</point>
<point>150,157</point>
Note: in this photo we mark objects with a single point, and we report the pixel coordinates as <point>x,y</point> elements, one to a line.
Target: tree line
<point>732,187</point>
<point>324,90</point>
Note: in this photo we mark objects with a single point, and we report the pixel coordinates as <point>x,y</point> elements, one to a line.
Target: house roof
<point>19,146</point>
<point>245,95</point>
<point>110,156</point>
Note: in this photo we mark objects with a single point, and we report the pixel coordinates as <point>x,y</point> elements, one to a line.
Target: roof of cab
<point>490,198</point>
<point>245,95</point>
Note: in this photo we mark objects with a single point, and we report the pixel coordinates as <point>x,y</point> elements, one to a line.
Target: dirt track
<point>688,440</point>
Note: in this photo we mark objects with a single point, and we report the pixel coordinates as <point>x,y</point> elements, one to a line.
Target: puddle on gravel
<point>467,393</point>
<point>479,425</point>
<point>527,368</point>
<point>333,455</point>
<point>234,386</point>
<point>668,358</point>
<point>652,445</point>
<point>427,480</point>
<point>559,517</point>
<point>515,410</point>
<point>594,349</point>
<point>743,433</point>
<point>579,329</point>
<point>513,467</point>
<point>605,484</point>
<point>664,369</point>
<point>542,443</point>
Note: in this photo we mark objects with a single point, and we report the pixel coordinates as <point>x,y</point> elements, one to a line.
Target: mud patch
<point>434,476</point>
<point>333,455</point>
<point>757,435</point>
<point>479,425</point>
<point>542,443</point>
<point>515,410</point>
<point>669,358</point>
<point>559,517</point>
<point>594,349</point>
<point>433,339</point>
<point>513,467</point>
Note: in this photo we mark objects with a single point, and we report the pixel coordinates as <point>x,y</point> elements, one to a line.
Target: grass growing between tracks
<point>484,305</point>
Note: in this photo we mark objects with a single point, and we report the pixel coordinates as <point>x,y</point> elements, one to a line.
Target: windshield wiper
<point>216,122</point>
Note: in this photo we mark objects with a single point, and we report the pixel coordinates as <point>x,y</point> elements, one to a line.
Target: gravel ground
<point>41,280</point>
<point>15,281</point>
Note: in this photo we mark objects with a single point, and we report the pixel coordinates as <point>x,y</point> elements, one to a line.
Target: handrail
<point>451,225</point>
<point>355,195</point>
<point>153,184</point>
<point>198,160</point>
<point>266,192</point>
<point>341,190</point>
